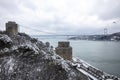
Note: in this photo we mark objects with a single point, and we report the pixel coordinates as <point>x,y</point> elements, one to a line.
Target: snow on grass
<point>9,65</point>
<point>87,74</point>
<point>5,38</point>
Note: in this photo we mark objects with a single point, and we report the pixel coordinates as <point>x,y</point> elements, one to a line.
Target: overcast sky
<point>61,16</point>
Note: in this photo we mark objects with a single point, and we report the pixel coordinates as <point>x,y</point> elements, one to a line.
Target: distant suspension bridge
<point>103,31</point>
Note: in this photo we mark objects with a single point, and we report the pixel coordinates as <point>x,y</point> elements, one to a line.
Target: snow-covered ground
<point>26,58</point>
<point>92,72</point>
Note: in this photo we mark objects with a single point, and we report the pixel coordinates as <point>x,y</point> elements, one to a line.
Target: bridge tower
<point>105,31</point>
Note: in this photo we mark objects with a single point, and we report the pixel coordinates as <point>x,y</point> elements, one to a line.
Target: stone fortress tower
<point>11,28</point>
<point>64,50</point>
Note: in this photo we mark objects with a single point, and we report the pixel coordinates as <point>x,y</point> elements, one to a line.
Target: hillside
<point>26,58</point>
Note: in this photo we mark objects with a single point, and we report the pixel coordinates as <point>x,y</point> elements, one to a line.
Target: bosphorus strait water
<point>104,55</point>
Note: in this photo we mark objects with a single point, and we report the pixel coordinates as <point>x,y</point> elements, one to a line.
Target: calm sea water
<point>104,55</point>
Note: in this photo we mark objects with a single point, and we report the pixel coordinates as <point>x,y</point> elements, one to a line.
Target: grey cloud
<point>104,9</point>
<point>29,4</point>
<point>9,7</point>
<point>107,9</point>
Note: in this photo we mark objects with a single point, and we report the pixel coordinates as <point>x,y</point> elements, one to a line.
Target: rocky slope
<point>26,58</point>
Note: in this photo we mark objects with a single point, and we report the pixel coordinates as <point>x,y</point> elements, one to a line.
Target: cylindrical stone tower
<point>11,28</point>
<point>64,50</point>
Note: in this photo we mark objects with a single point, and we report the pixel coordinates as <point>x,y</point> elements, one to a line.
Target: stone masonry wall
<point>64,50</point>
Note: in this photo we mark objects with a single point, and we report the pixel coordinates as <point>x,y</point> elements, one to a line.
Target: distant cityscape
<point>108,37</point>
